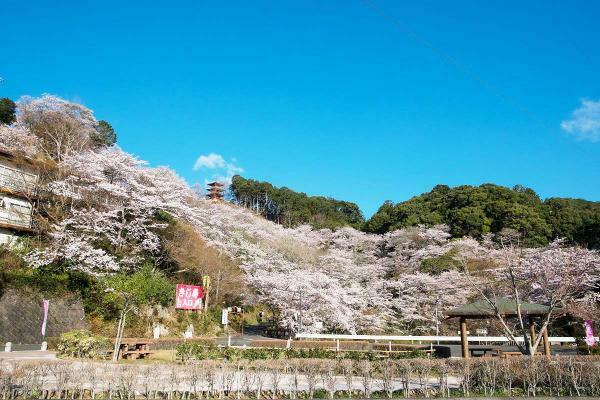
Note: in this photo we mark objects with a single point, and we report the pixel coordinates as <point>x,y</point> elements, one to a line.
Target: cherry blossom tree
<point>62,127</point>
<point>16,138</point>
<point>555,275</point>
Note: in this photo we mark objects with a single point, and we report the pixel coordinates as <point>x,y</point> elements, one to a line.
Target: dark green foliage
<point>164,217</point>
<point>290,208</point>
<point>105,135</point>
<point>437,265</point>
<point>51,281</point>
<point>576,220</point>
<point>142,287</point>
<point>57,281</point>
<point>586,350</point>
<point>8,109</point>
<point>477,210</point>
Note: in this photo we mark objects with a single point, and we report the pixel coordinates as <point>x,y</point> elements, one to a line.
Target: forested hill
<point>290,208</point>
<point>467,210</point>
<point>476,210</point>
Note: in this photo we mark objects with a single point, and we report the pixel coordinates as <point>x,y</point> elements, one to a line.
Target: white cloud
<point>222,171</point>
<point>210,161</point>
<point>585,121</point>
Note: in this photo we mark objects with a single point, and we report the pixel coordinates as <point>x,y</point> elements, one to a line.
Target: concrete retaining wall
<point>21,317</point>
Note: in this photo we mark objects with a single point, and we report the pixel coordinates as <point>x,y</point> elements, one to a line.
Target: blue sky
<point>359,100</point>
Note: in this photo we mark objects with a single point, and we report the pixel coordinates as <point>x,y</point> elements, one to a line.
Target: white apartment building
<point>18,181</point>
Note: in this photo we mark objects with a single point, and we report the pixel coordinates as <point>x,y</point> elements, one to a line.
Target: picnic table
<point>133,349</point>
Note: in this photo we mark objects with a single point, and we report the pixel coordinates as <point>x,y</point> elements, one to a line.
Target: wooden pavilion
<point>481,309</point>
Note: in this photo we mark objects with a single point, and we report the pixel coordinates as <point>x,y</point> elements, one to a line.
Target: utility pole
<point>437,320</point>
<point>300,322</point>
<point>206,288</point>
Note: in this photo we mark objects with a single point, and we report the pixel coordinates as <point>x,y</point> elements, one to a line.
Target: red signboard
<point>188,297</point>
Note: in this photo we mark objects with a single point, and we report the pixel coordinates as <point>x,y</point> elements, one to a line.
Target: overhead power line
<point>449,59</point>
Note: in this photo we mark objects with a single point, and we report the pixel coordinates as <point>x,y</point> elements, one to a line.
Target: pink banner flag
<point>589,333</point>
<point>46,304</point>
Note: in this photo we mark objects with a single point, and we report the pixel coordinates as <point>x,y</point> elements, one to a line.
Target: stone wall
<point>21,317</point>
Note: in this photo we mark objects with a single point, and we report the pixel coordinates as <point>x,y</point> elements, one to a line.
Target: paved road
<point>28,355</point>
<point>251,332</point>
<point>239,340</point>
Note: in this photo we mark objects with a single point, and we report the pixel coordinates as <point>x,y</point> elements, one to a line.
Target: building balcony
<point>13,183</point>
<point>16,223</point>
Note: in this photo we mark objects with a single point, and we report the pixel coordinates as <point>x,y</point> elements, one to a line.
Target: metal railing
<point>16,220</point>
<point>410,338</point>
<point>17,181</point>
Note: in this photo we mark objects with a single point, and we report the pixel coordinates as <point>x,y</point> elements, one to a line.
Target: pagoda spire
<point>215,190</point>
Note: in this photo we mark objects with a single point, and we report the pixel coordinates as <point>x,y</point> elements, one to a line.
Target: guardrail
<point>411,338</point>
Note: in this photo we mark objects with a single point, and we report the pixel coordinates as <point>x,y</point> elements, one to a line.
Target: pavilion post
<point>546,343</point>
<point>463,337</point>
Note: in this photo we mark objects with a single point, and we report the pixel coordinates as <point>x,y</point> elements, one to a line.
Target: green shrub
<point>410,354</point>
<point>584,349</point>
<point>313,352</point>
<point>185,351</point>
<point>359,355</point>
<point>82,344</point>
<point>443,263</point>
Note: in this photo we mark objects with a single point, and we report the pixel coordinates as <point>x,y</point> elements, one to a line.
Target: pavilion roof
<point>507,307</point>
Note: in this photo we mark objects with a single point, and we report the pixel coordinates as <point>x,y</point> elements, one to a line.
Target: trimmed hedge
<point>196,351</point>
